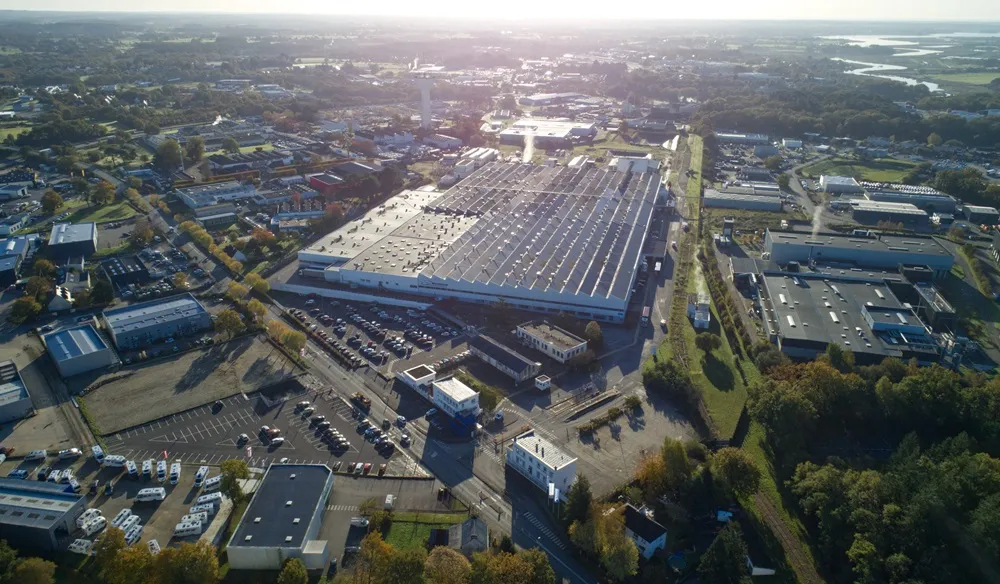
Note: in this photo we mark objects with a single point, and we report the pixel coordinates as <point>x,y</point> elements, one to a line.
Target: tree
<point>258,283</point>
<point>65,164</point>
<point>180,280</point>
<point>276,329</point>
<point>578,499</point>
<point>293,572</point>
<point>102,292</point>
<point>229,322</point>
<point>168,156</point>
<point>103,193</point>
<point>44,268</point>
<point>294,340</point>
<point>232,471</point>
<point>783,181</point>
<point>195,149</point>
<point>230,146</point>
<point>8,561</point>
<point>839,358</point>
<point>257,309</point>
<point>142,233</point>
<point>263,237</point>
<point>500,568</point>
<point>620,557</point>
<point>676,465</point>
<point>541,569</point>
<point>406,566</point>
<point>445,565</point>
<point>189,563</point>
<point>38,287</point>
<point>80,186</point>
<point>372,562</point>
<point>955,232</point>
<point>82,299</point>
<point>707,342</point>
<point>593,334</point>
<point>738,470</point>
<point>134,183</point>
<point>724,562</point>
<point>34,571</point>
<point>237,292</point>
<point>107,547</point>
<point>51,202</point>
<point>934,139</point>
<point>133,565</point>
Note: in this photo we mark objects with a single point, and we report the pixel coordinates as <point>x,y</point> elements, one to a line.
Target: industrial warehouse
<point>862,249</point>
<point>140,325</point>
<point>541,238</point>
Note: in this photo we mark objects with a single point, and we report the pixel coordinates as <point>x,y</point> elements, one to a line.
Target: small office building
<point>459,401</point>
<point>140,325</point>
<point>36,514</point>
<point>505,359</point>
<point>541,462</point>
<point>555,342</point>
<point>283,520</point>
<point>78,350</point>
<point>15,402</point>
<point>979,215</point>
<point>68,240</point>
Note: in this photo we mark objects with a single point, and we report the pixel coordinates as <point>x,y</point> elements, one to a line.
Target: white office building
<point>839,184</point>
<point>555,342</point>
<point>454,398</point>
<point>541,462</point>
<point>213,194</point>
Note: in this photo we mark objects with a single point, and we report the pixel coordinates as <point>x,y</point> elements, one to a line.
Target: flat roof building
<point>212,194</point>
<point>805,312</point>
<point>547,132</point>
<point>68,240</point>
<point>459,401</point>
<point>555,342</point>
<point>125,270</point>
<point>733,200</point>
<point>927,198</point>
<point>739,138</point>
<point>839,184</point>
<point>139,325</point>
<point>15,402</point>
<point>35,514</point>
<point>875,251</point>
<point>78,350</point>
<point>551,239</point>
<point>979,215</point>
<point>868,212</point>
<point>283,520</point>
<point>542,462</point>
<point>503,358</point>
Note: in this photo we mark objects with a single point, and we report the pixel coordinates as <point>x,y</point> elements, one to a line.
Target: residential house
<point>647,534</point>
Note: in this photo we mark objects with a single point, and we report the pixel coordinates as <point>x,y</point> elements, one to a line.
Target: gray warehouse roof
<point>144,314</point>
<point>34,504</point>
<point>69,233</point>
<point>288,492</point>
<point>12,388</point>
<point>501,353</point>
<point>884,243</point>
<point>74,342</point>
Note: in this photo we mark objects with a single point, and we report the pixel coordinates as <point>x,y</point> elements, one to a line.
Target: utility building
<point>78,350</point>
<point>504,359</point>
<point>15,402</point>
<point>68,240</point>
<point>140,325</point>
<point>36,514</point>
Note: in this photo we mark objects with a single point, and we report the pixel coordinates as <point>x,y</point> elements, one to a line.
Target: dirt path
<point>797,557</point>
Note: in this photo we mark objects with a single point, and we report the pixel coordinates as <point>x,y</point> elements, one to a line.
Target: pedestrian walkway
<point>545,530</point>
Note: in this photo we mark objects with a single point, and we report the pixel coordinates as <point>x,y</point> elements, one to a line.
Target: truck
<point>645,315</point>
<point>361,401</point>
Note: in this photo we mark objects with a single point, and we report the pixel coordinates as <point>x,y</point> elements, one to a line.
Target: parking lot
<point>366,325</point>
<point>210,434</point>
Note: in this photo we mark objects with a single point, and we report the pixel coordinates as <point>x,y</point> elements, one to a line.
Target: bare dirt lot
<point>145,392</point>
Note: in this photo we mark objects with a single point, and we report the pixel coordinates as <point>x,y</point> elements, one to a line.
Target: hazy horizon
<point>925,11</point>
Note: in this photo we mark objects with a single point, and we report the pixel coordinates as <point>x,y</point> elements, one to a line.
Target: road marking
<point>545,530</point>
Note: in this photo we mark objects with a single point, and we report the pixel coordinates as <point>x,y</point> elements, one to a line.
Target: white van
<point>154,546</point>
<point>151,494</point>
<point>147,468</point>
<point>175,473</point>
<point>129,523</point>
<point>75,485</point>
<point>199,476</point>
<point>114,460</point>
<point>98,453</point>
<point>94,525</point>
<point>206,508</point>
<point>201,517</point>
<point>81,546</point>
<point>185,529</point>
<point>209,499</point>
<point>211,484</point>
<point>161,470</point>
<point>133,535</point>
<point>133,470</point>
<point>36,455</point>
<point>121,517</point>
<point>55,476</point>
<point>87,516</point>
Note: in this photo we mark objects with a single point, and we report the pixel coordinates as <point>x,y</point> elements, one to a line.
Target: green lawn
<point>966,78</point>
<point>881,170</point>
<point>94,214</point>
<point>244,150</point>
<point>411,530</point>
<point>13,131</point>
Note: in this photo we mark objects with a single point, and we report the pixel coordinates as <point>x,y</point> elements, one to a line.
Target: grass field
<point>966,78</point>
<point>244,150</point>
<point>881,170</point>
<point>411,530</point>
<point>13,131</point>
<point>114,212</point>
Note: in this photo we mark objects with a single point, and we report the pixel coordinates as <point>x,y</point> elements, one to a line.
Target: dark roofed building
<point>504,358</point>
<point>35,514</point>
<point>647,534</point>
<point>142,324</point>
<point>283,519</point>
<point>469,536</point>
<point>125,270</point>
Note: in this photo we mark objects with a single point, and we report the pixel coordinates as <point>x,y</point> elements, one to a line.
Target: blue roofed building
<point>78,350</point>
<point>140,325</point>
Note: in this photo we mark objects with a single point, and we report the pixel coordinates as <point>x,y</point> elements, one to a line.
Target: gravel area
<point>144,392</point>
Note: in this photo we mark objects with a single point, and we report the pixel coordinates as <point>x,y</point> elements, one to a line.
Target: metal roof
<point>542,450</point>
<point>145,314</point>
<point>283,506</point>
<point>69,233</point>
<point>34,504</point>
<point>557,337</point>
<point>74,342</point>
<point>501,353</point>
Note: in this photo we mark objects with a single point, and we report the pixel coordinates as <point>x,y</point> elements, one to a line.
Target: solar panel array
<point>565,230</point>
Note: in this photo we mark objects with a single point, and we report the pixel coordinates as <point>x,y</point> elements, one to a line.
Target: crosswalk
<point>351,508</point>
<point>545,530</point>
<point>488,452</point>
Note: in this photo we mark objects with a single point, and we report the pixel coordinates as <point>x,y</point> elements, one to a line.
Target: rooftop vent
<point>292,476</point>
<point>248,538</point>
<point>296,521</point>
<point>256,519</point>
<point>288,503</point>
<point>288,539</point>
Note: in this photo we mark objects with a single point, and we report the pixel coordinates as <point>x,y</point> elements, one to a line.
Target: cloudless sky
<point>883,10</point>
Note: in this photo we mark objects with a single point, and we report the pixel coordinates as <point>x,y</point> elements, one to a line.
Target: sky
<point>880,10</point>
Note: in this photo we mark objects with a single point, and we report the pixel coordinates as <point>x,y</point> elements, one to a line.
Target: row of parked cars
<point>322,426</point>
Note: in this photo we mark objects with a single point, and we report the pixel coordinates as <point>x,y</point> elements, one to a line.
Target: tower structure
<point>425,83</point>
